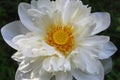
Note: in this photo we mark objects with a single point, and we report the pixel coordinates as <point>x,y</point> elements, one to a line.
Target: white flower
<point>59,38</point>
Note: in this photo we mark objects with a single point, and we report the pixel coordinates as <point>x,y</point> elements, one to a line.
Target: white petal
<point>21,76</point>
<point>102,21</point>
<point>80,75</point>
<point>25,18</point>
<point>40,73</point>
<point>18,57</point>
<point>56,64</point>
<point>11,30</point>
<point>28,44</point>
<point>94,40</point>
<point>59,5</point>
<point>44,3</point>
<point>33,3</point>
<point>24,67</point>
<point>44,75</point>
<point>100,50</point>
<point>24,76</point>
<point>40,19</point>
<point>107,64</point>
<point>85,61</point>
<point>73,11</point>
<point>64,76</point>
<point>107,50</point>
<point>49,49</point>
<point>28,65</point>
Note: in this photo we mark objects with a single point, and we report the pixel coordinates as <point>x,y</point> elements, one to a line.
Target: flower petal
<point>25,18</point>
<point>44,75</point>
<point>102,21</point>
<point>29,76</point>
<point>21,76</point>
<point>94,40</point>
<point>59,5</point>
<point>107,64</point>
<point>40,19</point>
<point>18,57</point>
<point>56,64</point>
<point>30,64</point>
<point>44,4</point>
<point>107,50</point>
<point>80,75</point>
<point>34,4</point>
<point>64,76</point>
<point>73,11</point>
<point>85,61</point>
<point>11,30</point>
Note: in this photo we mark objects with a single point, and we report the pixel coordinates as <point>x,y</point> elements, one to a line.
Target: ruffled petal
<point>25,18</point>
<point>107,64</point>
<point>73,11</point>
<point>80,75</point>
<point>18,57</point>
<point>10,30</point>
<point>29,64</point>
<point>21,76</point>
<point>102,21</point>
<point>56,64</point>
<point>63,76</point>
<point>27,43</point>
<point>33,75</point>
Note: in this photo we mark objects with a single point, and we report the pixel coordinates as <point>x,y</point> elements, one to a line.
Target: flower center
<point>60,37</point>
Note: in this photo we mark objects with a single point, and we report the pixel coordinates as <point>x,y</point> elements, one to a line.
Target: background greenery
<point>8,13</point>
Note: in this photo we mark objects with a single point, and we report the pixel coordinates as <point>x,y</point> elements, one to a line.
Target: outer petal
<point>25,18</point>
<point>102,21</point>
<point>94,40</point>
<point>84,61</point>
<point>98,46</point>
<point>107,50</point>
<point>80,75</point>
<point>11,30</point>
<point>107,64</point>
<point>64,76</point>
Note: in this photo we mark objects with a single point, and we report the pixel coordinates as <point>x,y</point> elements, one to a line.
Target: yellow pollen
<point>60,37</point>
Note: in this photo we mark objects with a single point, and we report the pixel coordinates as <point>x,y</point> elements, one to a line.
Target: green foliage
<point>8,13</point>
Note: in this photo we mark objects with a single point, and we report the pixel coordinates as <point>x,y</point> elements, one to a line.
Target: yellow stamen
<point>60,37</point>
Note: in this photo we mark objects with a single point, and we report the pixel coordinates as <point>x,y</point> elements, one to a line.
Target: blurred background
<point>8,13</point>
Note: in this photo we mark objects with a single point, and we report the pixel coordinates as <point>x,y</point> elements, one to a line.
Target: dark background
<point>8,13</point>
